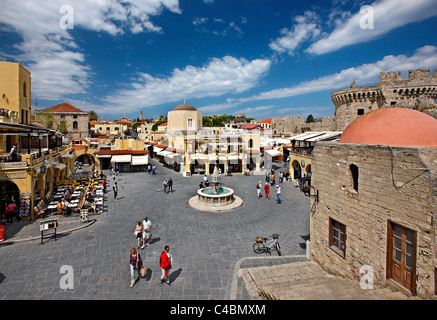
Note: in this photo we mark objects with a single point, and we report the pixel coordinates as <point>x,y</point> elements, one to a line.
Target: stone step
<point>308,281</point>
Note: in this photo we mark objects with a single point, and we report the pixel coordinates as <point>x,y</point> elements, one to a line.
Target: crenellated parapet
<point>418,91</point>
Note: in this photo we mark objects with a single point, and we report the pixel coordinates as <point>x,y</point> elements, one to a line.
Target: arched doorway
<point>297,170</point>
<point>9,191</point>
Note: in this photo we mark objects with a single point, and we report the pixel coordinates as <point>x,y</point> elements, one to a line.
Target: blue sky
<point>263,58</point>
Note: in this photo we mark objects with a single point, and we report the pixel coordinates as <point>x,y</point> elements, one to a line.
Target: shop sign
<point>9,176</point>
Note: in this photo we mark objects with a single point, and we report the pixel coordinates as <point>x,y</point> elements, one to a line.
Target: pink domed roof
<point>393,127</point>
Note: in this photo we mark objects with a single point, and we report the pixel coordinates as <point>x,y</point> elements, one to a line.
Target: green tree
<point>157,123</point>
<point>93,116</point>
<point>206,122</point>
<point>63,126</point>
<point>310,118</point>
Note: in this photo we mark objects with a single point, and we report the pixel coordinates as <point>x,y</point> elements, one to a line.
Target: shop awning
<point>273,153</point>
<point>157,149</point>
<point>68,155</point>
<point>164,153</point>
<point>140,160</point>
<point>120,158</point>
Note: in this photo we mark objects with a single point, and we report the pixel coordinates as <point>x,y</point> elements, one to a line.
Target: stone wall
<point>418,91</point>
<point>397,185</point>
<point>296,124</point>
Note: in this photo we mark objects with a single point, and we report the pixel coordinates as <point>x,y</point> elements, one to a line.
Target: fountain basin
<point>207,200</point>
<point>224,196</point>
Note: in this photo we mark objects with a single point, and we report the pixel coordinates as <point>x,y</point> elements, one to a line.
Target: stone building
<point>418,92</point>
<point>377,198</point>
<point>74,122</point>
<point>295,124</point>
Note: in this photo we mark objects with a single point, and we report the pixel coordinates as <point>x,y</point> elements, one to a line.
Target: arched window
<point>354,173</point>
<point>250,143</point>
<point>24,89</point>
<point>74,124</point>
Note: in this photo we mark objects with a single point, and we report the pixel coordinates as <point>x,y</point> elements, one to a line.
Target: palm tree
<point>93,116</point>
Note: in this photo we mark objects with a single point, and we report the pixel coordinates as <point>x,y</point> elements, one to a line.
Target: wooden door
<point>402,256</point>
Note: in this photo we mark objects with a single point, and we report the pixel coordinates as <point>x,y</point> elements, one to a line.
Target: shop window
<point>354,173</point>
<point>337,237</point>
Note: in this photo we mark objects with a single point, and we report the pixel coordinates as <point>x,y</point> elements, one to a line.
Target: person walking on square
<point>165,183</point>
<point>135,265</point>
<point>115,189</point>
<point>149,168</point>
<point>147,232</point>
<point>258,189</point>
<point>165,262</point>
<point>267,190</point>
<point>170,185</point>
<point>278,193</point>
<point>139,232</point>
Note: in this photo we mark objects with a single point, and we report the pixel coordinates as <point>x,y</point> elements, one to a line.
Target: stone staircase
<point>308,281</point>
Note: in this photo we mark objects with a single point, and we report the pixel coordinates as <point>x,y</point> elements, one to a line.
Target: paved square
<point>207,248</point>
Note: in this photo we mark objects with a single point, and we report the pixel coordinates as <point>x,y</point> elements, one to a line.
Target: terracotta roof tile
<point>64,107</point>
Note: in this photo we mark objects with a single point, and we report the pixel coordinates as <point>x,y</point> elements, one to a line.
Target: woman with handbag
<point>139,232</point>
<point>136,264</point>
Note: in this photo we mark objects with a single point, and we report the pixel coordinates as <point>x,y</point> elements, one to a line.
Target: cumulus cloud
<point>304,29</point>
<point>387,15</point>
<point>218,77</point>
<point>365,74</point>
<point>57,64</point>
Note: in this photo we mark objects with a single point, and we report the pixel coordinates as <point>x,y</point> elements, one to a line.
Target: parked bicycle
<point>267,244</point>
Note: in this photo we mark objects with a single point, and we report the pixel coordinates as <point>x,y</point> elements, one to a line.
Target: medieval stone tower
<point>418,92</point>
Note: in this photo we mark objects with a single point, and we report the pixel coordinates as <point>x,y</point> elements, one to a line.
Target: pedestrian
<point>139,232</point>
<point>165,183</point>
<point>267,176</point>
<point>115,189</point>
<point>149,168</point>
<point>104,185</point>
<point>165,262</point>
<point>272,179</point>
<point>147,232</point>
<point>153,169</point>
<point>278,193</point>
<point>267,190</point>
<point>14,153</point>
<point>10,212</point>
<point>135,265</point>
<point>170,185</point>
<point>258,189</point>
<point>281,177</point>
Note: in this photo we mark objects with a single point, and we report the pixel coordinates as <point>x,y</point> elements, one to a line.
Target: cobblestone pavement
<point>208,248</point>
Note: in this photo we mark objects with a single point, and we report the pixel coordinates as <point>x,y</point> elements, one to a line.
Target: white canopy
<point>119,158</point>
<point>140,160</point>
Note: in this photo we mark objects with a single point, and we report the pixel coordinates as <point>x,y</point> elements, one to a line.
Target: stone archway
<point>296,173</point>
<point>89,152</point>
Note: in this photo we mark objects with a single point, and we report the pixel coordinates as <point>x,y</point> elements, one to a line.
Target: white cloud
<point>423,58</point>
<point>387,15</point>
<point>218,77</point>
<point>305,29</point>
<point>51,54</point>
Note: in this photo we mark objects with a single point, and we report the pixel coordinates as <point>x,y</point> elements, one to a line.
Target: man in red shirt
<point>165,261</point>
<point>267,190</point>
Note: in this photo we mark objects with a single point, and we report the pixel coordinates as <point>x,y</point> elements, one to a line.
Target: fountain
<point>215,198</point>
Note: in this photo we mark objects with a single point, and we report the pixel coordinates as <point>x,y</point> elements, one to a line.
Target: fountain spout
<point>215,181</point>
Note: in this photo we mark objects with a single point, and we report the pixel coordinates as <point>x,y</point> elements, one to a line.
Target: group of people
<point>63,207</point>
<point>143,233</point>
<point>151,169</point>
<point>259,188</point>
<point>168,185</point>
